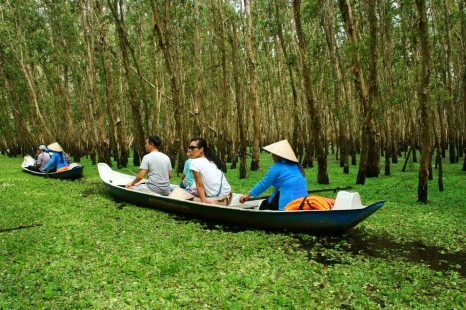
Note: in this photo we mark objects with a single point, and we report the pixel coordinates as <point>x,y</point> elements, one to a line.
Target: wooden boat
<point>247,214</point>
<point>74,172</point>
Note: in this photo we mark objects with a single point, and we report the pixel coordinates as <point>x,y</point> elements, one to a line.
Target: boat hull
<point>74,173</point>
<point>318,221</point>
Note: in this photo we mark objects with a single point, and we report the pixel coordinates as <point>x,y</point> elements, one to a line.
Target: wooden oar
<point>132,172</point>
<point>309,192</point>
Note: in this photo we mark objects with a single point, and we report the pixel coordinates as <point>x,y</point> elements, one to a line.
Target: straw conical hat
<point>282,149</point>
<point>55,147</point>
<point>179,193</point>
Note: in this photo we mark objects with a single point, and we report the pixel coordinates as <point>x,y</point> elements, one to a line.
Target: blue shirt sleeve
<point>188,173</point>
<point>266,182</point>
<point>52,161</point>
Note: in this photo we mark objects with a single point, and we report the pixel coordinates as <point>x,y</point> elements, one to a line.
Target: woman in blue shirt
<point>187,177</point>
<point>286,175</point>
<point>57,160</point>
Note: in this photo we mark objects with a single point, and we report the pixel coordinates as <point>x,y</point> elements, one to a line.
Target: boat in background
<point>75,171</point>
<point>247,214</point>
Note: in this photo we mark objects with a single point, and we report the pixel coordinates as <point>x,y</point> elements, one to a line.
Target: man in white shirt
<point>41,160</point>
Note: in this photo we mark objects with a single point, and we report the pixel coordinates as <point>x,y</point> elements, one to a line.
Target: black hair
<point>155,141</point>
<point>209,153</point>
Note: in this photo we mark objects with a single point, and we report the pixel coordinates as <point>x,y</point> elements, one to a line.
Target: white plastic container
<point>347,200</point>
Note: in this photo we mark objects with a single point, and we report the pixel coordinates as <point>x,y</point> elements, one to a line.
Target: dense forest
<point>380,79</point>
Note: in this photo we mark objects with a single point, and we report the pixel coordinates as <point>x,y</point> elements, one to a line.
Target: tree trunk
<point>367,123</point>
<point>166,42</point>
<point>252,89</point>
<point>117,12</point>
<point>423,95</point>
<point>451,124</point>
<point>369,134</point>
<point>339,90</point>
<point>197,72</point>
<point>111,107</point>
<point>462,96</point>
<point>225,137</point>
<point>290,64</point>
<point>96,127</point>
<point>236,59</point>
<point>322,174</point>
<point>373,159</point>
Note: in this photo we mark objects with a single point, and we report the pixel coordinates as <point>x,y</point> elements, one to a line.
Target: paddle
<point>132,172</point>
<point>309,192</point>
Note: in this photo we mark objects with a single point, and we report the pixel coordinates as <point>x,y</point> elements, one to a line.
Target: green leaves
<point>91,254</point>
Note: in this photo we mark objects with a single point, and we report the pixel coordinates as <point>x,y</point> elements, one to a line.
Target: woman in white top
<point>211,186</point>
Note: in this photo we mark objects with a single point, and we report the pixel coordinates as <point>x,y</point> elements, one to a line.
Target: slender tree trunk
<point>46,134</point>
<point>451,124</point>
<point>111,107</point>
<point>236,59</point>
<point>98,137</point>
<point>423,95</point>
<point>367,124</point>
<point>368,134</point>
<point>290,68</point>
<point>252,89</point>
<point>322,174</point>
<point>117,12</point>
<point>328,21</point>
<point>462,96</point>
<point>225,137</point>
<point>21,125</point>
<point>166,42</point>
<point>438,160</point>
<point>197,72</point>
<point>373,159</point>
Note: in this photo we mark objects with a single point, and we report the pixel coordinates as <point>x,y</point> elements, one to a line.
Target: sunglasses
<point>192,147</point>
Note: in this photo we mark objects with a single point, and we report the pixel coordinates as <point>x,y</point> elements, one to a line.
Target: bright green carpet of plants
<point>87,250</point>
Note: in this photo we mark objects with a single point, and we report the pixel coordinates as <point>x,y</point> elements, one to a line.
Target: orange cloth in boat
<point>310,203</point>
<point>63,169</point>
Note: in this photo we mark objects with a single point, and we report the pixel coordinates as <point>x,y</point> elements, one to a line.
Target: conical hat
<point>55,147</point>
<point>282,149</point>
<point>179,193</point>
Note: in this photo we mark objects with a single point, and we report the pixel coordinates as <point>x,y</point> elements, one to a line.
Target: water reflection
<point>358,242</point>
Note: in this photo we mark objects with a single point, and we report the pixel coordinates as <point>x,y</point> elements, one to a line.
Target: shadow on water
<point>92,191</point>
<point>357,242</point>
<point>209,224</point>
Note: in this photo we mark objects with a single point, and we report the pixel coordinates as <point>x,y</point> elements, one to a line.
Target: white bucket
<point>347,200</point>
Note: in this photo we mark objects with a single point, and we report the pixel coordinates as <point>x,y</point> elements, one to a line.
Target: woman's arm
<point>199,186</point>
<point>261,186</point>
<point>244,197</point>
<point>51,162</point>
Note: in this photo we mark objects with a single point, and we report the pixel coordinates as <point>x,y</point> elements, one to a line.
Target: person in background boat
<point>36,156</point>
<point>58,160</point>
<point>187,177</point>
<point>286,175</point>
<point>210,184</point>
<point>42,158</point>
<point>158,167</point>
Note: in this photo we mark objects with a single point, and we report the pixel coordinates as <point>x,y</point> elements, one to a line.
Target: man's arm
<point>39,161</point>
<point>139,177</point>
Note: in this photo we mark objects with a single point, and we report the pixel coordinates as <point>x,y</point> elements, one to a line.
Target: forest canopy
<point>369,77</point>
